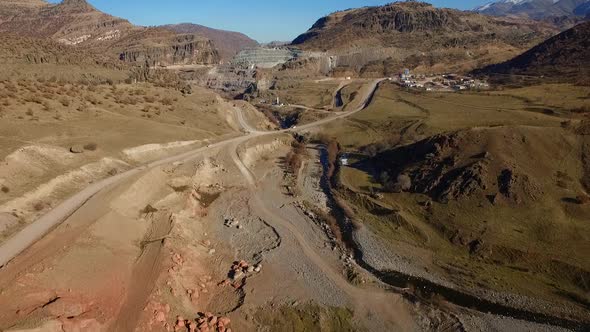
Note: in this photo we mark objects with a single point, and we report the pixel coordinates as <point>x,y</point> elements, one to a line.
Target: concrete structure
<point>264,57</point>
<point>344,160</point>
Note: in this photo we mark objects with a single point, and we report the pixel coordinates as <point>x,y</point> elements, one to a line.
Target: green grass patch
<point>304,318</point>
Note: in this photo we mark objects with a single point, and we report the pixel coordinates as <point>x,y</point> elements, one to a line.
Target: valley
<point>395,168</point>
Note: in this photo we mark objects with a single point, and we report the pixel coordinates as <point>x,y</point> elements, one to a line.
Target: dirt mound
<point>490,162</point>
<point>154,151</point>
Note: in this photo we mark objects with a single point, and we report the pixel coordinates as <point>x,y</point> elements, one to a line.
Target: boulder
<point>77,149</point>
<point>160,317</point>
<point>237,275</point>
<point>404,183</point>
<point>225,321</point>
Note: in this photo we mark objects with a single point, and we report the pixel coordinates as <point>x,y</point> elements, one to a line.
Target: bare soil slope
<point>22,57</point>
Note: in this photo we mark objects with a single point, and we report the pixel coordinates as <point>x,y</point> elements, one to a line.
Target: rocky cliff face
<point>445,37</point>
<point>77,23</point>
<point>71,22</point>
<point>171,50</point>
<point>398,24</point>
<point>410,18</point>
<point>228,43</point>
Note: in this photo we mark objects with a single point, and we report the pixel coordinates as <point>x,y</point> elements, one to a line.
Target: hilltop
<point>562,58</point>
<point>422,36</point>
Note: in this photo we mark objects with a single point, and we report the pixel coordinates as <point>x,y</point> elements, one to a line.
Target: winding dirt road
<point>36,230</point>
<point>94,198</point>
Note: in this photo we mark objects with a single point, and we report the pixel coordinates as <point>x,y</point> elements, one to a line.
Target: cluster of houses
<point>440,82</point>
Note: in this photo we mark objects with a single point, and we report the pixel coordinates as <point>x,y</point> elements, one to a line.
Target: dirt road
<point>387,306</point>
<point>33,232</point>
<point>22,240</point>
<point>94,195</point>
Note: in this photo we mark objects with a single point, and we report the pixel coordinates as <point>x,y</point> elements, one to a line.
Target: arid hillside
<point>565,57</point>
<point>75,22</point>
<point>228,43</point>
<point>488,191</point>
<point>34,58</point>
<point>421,36</point>
<point>10,8</point>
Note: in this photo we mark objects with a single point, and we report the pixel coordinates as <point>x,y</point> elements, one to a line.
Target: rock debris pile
<point>205,322</point>
<point>239,272</point>
<point>232,222</point>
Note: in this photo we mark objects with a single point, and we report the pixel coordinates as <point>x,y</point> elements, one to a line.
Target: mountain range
<point>536,9</point>
<point>370,41</point>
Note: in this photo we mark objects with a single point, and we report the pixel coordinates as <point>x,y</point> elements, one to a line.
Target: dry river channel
<point>37,230</point>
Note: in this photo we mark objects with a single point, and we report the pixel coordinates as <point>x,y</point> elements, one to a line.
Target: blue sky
<point>263,20</point>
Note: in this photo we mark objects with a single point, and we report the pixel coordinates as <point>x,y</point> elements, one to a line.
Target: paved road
<point>36,230</point>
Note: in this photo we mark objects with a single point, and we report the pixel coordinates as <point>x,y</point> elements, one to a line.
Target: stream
<point>426,287</point>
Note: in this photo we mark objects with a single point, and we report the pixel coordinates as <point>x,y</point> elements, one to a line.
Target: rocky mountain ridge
<point>435,39</point>
<point>77,23</point>
<point>387,22</point>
